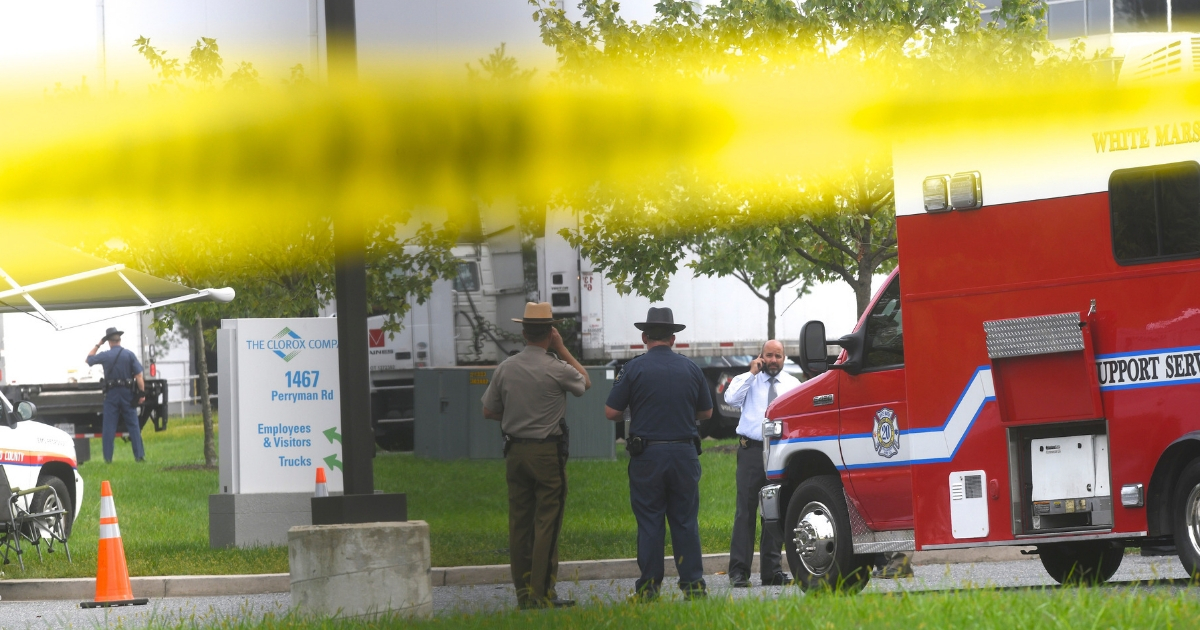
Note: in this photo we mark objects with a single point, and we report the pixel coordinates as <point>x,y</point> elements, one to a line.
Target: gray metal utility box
<point>449,422</point>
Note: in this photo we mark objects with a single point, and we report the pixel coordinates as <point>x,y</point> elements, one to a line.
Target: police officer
<point>124,390</point>
<point>667,396</point>
<point>528,396</point>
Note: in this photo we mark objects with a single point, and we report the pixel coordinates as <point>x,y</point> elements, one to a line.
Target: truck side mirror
<point>855,345</point>
<point>813,359</point>
<point>26,410</point>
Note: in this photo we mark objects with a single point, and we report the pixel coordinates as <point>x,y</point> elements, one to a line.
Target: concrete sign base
<point>247,520</point>
<point>361,570</point>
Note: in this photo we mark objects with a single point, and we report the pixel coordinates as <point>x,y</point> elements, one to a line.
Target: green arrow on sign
<point>331,434</point>
<point>333,462</point>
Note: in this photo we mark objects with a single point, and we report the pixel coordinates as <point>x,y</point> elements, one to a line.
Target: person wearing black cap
<point>124,388</point>
<point>528,395</point>
<point>667,396</point>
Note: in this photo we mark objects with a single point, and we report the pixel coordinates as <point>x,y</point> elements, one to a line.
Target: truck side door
<point>874,419</point>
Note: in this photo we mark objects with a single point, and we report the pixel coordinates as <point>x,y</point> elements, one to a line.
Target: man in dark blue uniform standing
<point>125,389</point>
<point>667,395</point>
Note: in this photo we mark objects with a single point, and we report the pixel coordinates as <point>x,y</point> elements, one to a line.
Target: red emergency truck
<point>1043,385</point>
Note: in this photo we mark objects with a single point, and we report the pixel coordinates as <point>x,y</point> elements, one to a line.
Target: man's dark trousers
<point>537,495</point>
<point>120,408</point>
<point>751,477</point>
<point>664,481</point>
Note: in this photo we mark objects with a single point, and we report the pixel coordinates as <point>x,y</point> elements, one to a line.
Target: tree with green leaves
<point>288,271</point>
<point>204,66</point>
<point>499,67</point>
<point>758,255</point>
<point>844,225</point>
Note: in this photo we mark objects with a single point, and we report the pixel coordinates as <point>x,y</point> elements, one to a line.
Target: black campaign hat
<point>112,332</point>
<point>660,318</point>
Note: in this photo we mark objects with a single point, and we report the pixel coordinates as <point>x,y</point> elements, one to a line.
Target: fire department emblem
<point>887,433</point>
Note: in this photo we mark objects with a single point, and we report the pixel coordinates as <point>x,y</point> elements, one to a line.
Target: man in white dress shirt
<point>754,391</point>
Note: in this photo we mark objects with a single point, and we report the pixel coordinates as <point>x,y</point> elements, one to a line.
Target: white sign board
<point>280,406</point>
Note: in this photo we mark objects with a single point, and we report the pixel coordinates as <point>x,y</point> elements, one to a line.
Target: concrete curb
<point>713,563</point>
<point>157,587</point>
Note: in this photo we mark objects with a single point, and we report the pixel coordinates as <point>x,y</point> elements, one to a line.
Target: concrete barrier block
<point>361,570</point>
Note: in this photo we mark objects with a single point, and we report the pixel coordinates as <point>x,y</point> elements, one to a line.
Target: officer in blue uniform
<point>667,396</point>
<point>125,389</point>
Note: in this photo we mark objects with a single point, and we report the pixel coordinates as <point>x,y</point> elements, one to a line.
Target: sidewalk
<point>157,587</point>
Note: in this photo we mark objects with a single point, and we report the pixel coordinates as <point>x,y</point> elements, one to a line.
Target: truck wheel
<point>45,501</point>
<point>1185,521</point>
<point>816,533</point>
<point>1087,562</point>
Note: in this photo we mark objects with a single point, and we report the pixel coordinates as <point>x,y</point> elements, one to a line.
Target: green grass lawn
<point>980,609</point>
<point>466,506</point>
<point>163,510</point>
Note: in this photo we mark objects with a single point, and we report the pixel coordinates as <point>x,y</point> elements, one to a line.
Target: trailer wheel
<point>1185,520</point>
<point>818,541</point>
<point>1085,562</point>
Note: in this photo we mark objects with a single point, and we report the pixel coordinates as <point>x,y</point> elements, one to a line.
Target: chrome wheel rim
<point>52,504</point>
<point>815,538</point>
<point>1192,510</point>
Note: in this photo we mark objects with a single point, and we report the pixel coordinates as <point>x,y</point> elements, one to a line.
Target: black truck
<point>81,405</point>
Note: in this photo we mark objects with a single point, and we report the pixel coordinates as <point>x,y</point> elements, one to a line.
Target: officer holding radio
<point>124,390</point>
<point>528,395</point>
<point>667,396</point>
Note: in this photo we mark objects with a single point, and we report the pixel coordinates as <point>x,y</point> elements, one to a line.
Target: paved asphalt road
<point>463,599</point>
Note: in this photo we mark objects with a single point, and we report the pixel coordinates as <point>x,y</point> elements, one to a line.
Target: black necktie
<point>771,393</point>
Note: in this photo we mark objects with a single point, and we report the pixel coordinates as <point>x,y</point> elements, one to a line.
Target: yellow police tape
<point>236,160</point>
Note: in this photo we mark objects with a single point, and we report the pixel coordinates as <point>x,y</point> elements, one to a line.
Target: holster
<point>635,445</point>
<point>564,443</point>
<point>508,442</point>
<point>696,443</point>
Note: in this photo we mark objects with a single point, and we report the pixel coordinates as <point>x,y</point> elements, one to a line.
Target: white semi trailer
<point>467,321</point>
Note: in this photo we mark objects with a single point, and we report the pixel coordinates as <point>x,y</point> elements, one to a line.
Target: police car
<point>36,454</point>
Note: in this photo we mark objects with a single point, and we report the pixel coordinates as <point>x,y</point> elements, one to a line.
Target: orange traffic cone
<point>322,491</point>
<point>112,576</point>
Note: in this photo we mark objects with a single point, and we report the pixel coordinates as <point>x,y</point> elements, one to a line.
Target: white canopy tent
<point>43,277</point>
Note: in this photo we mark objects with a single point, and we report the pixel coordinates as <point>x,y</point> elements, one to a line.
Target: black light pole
<point>359,504</point>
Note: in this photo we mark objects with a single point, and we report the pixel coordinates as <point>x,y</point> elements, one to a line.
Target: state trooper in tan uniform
<point>528,396</point>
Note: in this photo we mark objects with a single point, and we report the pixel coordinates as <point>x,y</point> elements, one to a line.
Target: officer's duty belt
<point>553,439</point>
<point>653,442</point>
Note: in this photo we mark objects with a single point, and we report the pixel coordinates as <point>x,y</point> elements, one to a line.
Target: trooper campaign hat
<point>660,318</point>
<point>112,332</point>
<point>537,313</point>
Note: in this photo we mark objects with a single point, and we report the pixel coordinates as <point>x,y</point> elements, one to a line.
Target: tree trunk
<point>771,314</point>
<point>210,451</point>
<point>862,291</point>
